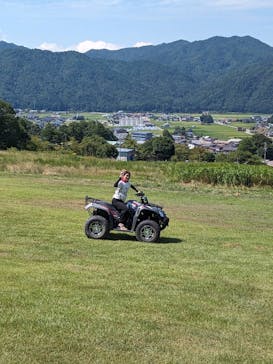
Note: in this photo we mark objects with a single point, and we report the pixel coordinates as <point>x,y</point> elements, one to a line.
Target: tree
<point>253,149</point>
<point>6,108</point>
<point>167,134</point>
<point>179,130</point>
<point>206,119</point>
<point>163,148</point>
<point>247,145</point>
<point>51,134</point>
<point>157,149</point>
<point>13,130</point>
<point>263,145</point>
<point>97,147</point>
<point>182,153</point>
<point>129,143</point>
<point>144,151</point>
<point>198,154</point>
<point>246,157</point>
<point>208,157</point>
<point>81,129</point>
<point>76,130</point>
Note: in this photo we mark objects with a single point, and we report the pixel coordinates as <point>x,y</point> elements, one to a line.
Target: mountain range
<point>218,74</point>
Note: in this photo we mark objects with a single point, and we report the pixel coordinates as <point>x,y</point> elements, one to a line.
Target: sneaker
<point>121,226</point>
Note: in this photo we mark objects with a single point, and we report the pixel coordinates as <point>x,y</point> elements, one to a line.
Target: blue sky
<point>60,25</point>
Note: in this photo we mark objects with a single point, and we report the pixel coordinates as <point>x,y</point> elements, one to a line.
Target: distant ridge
<point>220,74</point>
<point>5,45</point>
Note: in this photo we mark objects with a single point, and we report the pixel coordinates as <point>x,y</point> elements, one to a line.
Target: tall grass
<point>69,164</point>
<point>229,174</point>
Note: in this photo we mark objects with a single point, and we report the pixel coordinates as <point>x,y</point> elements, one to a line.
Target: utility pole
<point>265,150</point>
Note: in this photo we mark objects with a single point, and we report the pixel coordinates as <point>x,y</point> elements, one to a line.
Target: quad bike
<point>145,219</point>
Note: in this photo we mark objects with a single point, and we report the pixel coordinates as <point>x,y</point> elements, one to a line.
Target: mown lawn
<point>202,295</point>
<point>221,132</point>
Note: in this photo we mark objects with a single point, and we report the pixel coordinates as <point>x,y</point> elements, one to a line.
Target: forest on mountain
<point>217,74</point>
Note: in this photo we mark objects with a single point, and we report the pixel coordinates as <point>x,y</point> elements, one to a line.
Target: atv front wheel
<point>97,227</point>
<point>148,231</point>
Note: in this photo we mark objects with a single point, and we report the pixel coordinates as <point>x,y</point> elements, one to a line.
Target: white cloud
<point>141,44</point>
<point>100,44</point>
<point>50,47</point>
<point>81,47</point>
<point>86,45</point>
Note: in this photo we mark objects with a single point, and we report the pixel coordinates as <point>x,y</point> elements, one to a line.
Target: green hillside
<point>217,74</point>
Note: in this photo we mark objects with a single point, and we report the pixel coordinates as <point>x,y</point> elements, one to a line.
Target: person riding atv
<point>145,219</point>
<point>122,186</point>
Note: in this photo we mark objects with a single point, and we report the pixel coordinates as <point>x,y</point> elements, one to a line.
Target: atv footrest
<point>119,229</point>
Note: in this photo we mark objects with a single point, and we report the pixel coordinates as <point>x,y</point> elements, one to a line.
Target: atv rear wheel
<point>148,231</point>
<point>97,227</point>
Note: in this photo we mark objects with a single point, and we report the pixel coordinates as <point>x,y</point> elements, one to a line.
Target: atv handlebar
<point>142,196</point>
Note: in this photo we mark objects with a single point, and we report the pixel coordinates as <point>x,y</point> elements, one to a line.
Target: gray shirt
<point>122,190</point>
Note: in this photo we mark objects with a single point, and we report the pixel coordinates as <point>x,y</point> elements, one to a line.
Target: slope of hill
<point>200,57</point>
<point>5,45</point>
<point>245,88</point>
<point>70,80</point>
<point>233,74</point>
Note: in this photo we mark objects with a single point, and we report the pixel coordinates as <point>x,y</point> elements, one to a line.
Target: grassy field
<point>221,132</point>
<point>202,295</point>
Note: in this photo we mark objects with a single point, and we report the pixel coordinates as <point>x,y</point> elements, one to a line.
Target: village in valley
<point>221,135</point>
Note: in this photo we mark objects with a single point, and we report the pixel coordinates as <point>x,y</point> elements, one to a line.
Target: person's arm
<point>133,187</point>
<point>116,183</point>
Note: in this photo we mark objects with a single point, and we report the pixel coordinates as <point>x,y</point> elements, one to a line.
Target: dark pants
<point>122,209</point>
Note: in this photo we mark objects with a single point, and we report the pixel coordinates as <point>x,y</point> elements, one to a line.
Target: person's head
<point>125,175</point>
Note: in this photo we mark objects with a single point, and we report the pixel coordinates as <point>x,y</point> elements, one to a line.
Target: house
<point>141,136</point>
<point>125,154</point>
<point>226,146</point>
<point>120,133</point>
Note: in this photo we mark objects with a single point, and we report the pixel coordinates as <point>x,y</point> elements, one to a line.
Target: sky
<point>61,25</point>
